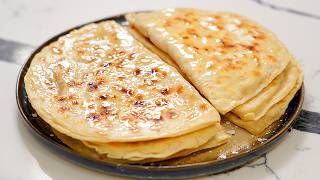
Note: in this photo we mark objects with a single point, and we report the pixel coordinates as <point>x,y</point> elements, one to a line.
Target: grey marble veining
<point>308,121</point>
<point>14,52</point>
<point>276,7</point>
<point>263,161</point>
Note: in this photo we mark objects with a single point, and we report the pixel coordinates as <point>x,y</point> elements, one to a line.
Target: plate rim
<point>20,86</point>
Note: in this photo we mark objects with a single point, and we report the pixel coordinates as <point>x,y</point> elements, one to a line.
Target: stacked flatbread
<point>244,71</point>
<point>125,94</point>
<point>100,87</point>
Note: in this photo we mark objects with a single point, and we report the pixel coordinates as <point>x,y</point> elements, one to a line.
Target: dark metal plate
<point>149,171</point>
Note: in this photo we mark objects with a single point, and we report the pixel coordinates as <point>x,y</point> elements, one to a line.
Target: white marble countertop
<point>297,24</point>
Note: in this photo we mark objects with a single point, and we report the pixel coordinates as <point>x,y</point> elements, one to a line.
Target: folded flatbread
<point>163,148</point>
<point>273,114</point>
<point>280,87</point>
<point>143,155</point>
<point>257,106</point>
<point>227,57</point>
<point>148,44</point>
<point>99,84</point>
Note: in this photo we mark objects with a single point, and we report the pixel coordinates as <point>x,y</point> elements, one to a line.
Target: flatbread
<point>160,148</point>
<point>280,87</point>
<point>99,84</point>
<point>272,115</point>
<point>148,44</point>
<point>220,138</point>
<point>227,57</point>
<point>257,106</point>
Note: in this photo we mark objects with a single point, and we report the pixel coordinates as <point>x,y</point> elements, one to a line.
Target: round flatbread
<point>99,84</point>
<point>157,149</point>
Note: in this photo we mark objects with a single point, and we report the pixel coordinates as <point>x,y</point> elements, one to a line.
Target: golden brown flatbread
<point>99,84</point>
<point>227,57</point>
<point>280,87</point>
<point>273,114</point>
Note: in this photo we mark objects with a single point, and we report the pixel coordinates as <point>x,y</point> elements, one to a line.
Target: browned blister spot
<point>125,90</point>
<point>114,37</point>
<point>71,83</point>
<point>93,117</point>
<point>228,46</point>
<point>136,71</point>
<point>64,109</point>
<point>184,20</point>
<point>154,81</point>
<point>171,114</point>
<point>259,37</point>
<point>101,82</point>
<point>249,47</point>
<point>92,86</point>
<point>42,59</point>
<point>185,37</point>
<point>161,102</point>
<point>224,51</point>
<point>103,97</point>
<point>91,106</point>
<point>192,32</point>
<point>120,78</point>
<point>74,102</point>
<point>203,107</point>
<point>139,97</point>
<point>220,27</point>
<point>165,91</point>
<point>138,103</point>
<point>50,85</point>
<point>107,64</point>
<point>188,14</point>
<point>99,72</point>
<point>217,17</point>
<point>195,49</point>
<point>227,43</point>
<point>229,65</point>
<point>257,34</point>
<point>129,92</point>
<point>132,56</point>
<point>271,58</point>
<point>121,53</point>
<point>100,77</point>
<point>179,89</point>
<point>168,23</point>
<point>64,98</point>
<point>256,73</point>
<point>159,72</point>
<point>142,114</point>
<point>155,70</point>
<point>209,36</point>
<point>119,62</point>
<point>104,110</point>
